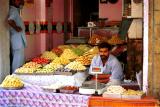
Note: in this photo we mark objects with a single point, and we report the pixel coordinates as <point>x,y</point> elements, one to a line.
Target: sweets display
<point>92,52</point>
<point>40,60</point>
<point>115,40</point>
<point>84,47</point>
<point>115,89</point>
<point>69,54</point>
<point>96,39</point>
<point>53,65</point>
<point>78,51</point>
<point>120,92</point>
<point>69,89</point>
<point>12,82</point>
<point>32,65</point>
<point>133,92</point>
<point>57,51</point>
<point>61,60</point>
<point>49,55</point>
<point>84,60</point>
<point>63,47</point>
<point>25,70</point>
<point>77,66</point>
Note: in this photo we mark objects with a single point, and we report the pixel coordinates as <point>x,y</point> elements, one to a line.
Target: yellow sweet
<point>115,40</point>
<point>84,60</point>
<point>92,52</point>
<point>12,81</point>
<point>61,60</point>
<point>25,70</point>
<point>32,65</point>
<point>49,68</point>
<point>75,66</point>
<point>133,92</point>
<point>49,55</point>
<point>69,54</point>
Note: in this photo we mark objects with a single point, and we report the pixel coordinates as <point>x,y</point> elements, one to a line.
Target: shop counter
<point>34,96</point>
<point>48,79</point>
<point>115,102</point>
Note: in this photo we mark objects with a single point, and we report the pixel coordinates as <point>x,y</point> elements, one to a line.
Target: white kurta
<point>18,39</point>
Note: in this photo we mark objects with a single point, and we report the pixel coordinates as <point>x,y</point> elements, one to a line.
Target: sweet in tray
<point>77,66</point>
<point>133,94</point>
<point>69,89</point>
<point>12,82</point>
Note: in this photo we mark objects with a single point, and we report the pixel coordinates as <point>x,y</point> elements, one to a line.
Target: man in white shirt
<point>108,63</point>
<point>17,34</point>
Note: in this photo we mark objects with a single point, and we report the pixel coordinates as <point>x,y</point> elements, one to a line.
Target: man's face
<point>18,3</point>
<point>104,53</point>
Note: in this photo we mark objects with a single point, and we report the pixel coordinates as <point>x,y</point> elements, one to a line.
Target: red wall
<point>111,11</point>
<point>36,43</point>
<point>39,13</point>
<point>58,16</point>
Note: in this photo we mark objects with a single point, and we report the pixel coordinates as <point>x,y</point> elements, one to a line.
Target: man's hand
<point>18,29</point>
<point>14,26</point>
<point>89,77</point>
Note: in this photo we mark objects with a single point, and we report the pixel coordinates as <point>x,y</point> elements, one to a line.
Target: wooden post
<point>4,40</point>
<point>154,48</point>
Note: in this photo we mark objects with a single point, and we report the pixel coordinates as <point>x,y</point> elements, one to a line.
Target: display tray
<point>72,70</point>
<point>64,73</point>
<point>69,89</point>
<point>133,96</point>
<point>90,91</point>
<point>87,66</point>
<point>34,73</point>
<point>50,90</point>
<point>111,95</point>
<point>67,72</point>
<point>11,88</point>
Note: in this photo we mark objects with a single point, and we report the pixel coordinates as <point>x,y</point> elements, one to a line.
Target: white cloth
<point>112,66</point>
<point>46,80</point>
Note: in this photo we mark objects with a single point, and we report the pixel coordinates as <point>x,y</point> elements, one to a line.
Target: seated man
<point>108,63</point>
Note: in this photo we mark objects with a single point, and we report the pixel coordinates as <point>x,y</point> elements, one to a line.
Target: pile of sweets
<point>11,81</point>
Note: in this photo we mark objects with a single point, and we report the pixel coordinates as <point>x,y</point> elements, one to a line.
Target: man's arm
<point>117,72</point>
<point>14,26</point>
<point>90,76</point>
<point>93,63</point>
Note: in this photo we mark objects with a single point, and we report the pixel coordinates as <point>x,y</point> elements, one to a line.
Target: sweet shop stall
<point>59,78</point>
<point>56,71</point>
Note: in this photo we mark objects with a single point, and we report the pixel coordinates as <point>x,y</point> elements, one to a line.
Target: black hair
<point>105,45</point>
<point>11,2</point>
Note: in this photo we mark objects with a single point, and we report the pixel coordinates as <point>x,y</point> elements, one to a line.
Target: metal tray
<point>12,88</point>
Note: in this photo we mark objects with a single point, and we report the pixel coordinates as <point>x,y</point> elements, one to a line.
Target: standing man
<point>17,34</point>
<point>108,63</point>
